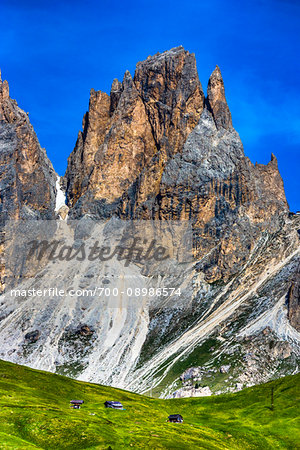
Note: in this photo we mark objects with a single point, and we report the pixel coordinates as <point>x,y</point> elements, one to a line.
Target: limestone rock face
<point>32,337</point>
<point>294,301</point>
<point>81,161</point>
<point>191,392</point>
<point>128,137</point>
<point>171,91</point>
<point>216,100</point>
<point>157,149</point>
<point>27,178</point>
<point>229,200</point>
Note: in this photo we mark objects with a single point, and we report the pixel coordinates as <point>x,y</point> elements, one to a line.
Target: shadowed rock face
<point>294,301</point>
<point>27,178</point>
<point>171,91</point>
<point>156,148</point>
<point>229,200</point>
<point>216,100</point>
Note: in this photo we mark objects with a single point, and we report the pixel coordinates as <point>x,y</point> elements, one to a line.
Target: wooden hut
<point>113,405</point>
<point>76,403</point>
<point>175,418</point>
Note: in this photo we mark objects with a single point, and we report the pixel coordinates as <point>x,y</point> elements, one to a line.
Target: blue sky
<point>53,53</point>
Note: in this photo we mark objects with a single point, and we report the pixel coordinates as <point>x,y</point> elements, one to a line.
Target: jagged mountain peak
<point>127,75</point>
<point>116,85</point>
<point>168,70</point>
<point>216,74</point>
<point>4,91</point>
<point>216,100</point>
<point>115,94</point>
<point>151,114</point>
<point>274,160</point>
<point>27,176</point>
<point>127,82</point>
<point>4,96</point>
<point>172,52</point>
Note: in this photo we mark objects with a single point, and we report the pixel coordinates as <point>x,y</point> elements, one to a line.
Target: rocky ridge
<point>157,149</point>
<point>27,178</point>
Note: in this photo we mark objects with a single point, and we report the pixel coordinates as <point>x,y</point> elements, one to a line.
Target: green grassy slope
<point>35,413</point>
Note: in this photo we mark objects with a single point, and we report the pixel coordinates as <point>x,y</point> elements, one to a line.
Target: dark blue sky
<point>53,53</point>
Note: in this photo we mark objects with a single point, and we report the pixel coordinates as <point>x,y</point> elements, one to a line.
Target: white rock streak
<point>277,320</point>
<point>60,196</point>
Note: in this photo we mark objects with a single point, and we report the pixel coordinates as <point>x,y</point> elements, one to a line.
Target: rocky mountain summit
<point>158,149</point>
<point>128,136</point>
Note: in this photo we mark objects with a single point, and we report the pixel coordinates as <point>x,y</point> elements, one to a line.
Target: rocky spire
<point>274,160</point>
<point>169,85</point>
<point>4,91</point>
<point>115,94</point>
<point>148,115</point>
<point>216,100</point>
<point>27,177</point>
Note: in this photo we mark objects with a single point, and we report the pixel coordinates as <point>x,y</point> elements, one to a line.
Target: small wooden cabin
<point>113,405</point>
<point>76,403</point>
<point>175,418</point>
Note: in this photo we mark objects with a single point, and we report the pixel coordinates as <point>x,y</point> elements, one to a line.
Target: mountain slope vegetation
<point>35,414</point>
